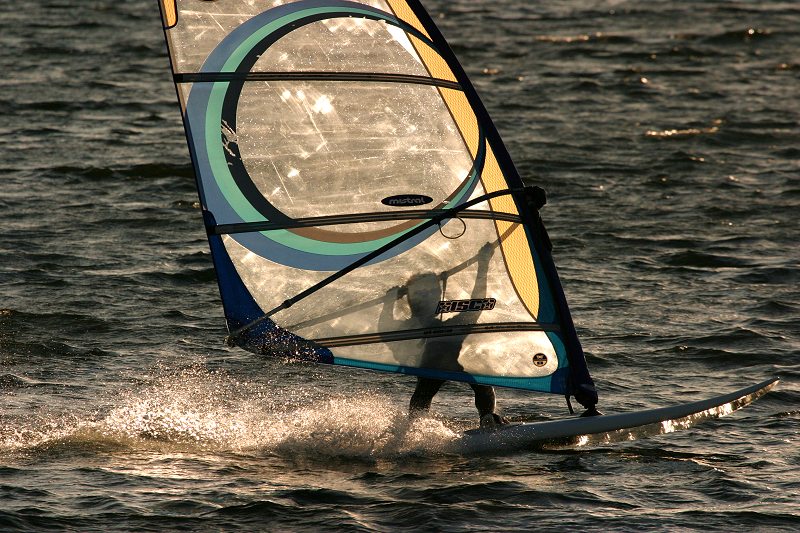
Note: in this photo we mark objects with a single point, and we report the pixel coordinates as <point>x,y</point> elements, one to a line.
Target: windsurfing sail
<point>360,205</point>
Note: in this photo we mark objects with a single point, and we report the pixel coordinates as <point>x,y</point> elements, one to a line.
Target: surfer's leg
<point>424,393</point>
<point>486,402</point>
<point>484,399</point>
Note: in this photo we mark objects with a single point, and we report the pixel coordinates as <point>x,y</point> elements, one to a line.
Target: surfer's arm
<point>484,256</point>
<point>392,296</point>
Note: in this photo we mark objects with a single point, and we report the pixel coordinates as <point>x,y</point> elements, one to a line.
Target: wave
<point>705,260</point>
<point>13,322</point>
<point>683,132</point>
<point>744,35</point>
<point>588,38</point>
<point>137,171</point>
<point>186,276</point>
<point>708,351</point>
<point>774,308</point>
<point>13,381</point>
<point>788,275</point>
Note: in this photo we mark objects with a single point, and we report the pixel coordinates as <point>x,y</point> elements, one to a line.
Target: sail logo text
<point>404,200</point>
<point>458,306</point>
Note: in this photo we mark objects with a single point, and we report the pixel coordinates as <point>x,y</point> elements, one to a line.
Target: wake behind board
<point>606,429</point>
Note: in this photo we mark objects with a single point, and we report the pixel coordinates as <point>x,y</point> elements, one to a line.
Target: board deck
<point>606,429</point>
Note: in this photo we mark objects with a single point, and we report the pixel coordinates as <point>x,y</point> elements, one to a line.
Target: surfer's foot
<point>416,413</point>
<point>592,411</point>
<point>492,420</point>
<point>586,394</point>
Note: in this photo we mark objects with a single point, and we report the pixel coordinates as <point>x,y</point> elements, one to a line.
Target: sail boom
<point>358,218</point>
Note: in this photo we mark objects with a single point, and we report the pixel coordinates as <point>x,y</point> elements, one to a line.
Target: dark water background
<point>668,137</point>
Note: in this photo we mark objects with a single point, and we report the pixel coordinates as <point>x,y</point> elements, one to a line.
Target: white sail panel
<point>343,45</point>
<point>198,27</point>
<point>489,355</point>
<point>318,148</point>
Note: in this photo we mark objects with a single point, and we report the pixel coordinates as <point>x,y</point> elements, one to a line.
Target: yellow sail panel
<point>406,14</point>
<point>169,11</point>
<point>464,117</point>
<point>436,65</point>
<point>514,242</point>
<point>520,264</point>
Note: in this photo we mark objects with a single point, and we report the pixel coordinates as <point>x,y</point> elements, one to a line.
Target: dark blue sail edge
<point>265,337</point>
<point>580,383</point>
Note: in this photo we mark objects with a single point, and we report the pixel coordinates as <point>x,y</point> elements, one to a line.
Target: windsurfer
<point>424,292</point>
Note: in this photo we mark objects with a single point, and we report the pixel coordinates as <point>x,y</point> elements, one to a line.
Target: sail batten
<point>213,77</point>
<point>318,131</point>
<point>429,333</point>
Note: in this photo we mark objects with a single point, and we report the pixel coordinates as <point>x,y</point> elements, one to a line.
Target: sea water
<point>666,135</point>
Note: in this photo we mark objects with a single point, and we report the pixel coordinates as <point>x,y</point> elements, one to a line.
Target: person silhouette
<point>424,291</point>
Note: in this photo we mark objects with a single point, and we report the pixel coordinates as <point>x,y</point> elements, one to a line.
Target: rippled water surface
<point>667,136</point>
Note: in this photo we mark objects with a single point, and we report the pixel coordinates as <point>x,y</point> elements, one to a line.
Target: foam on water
<point>200,410</point>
